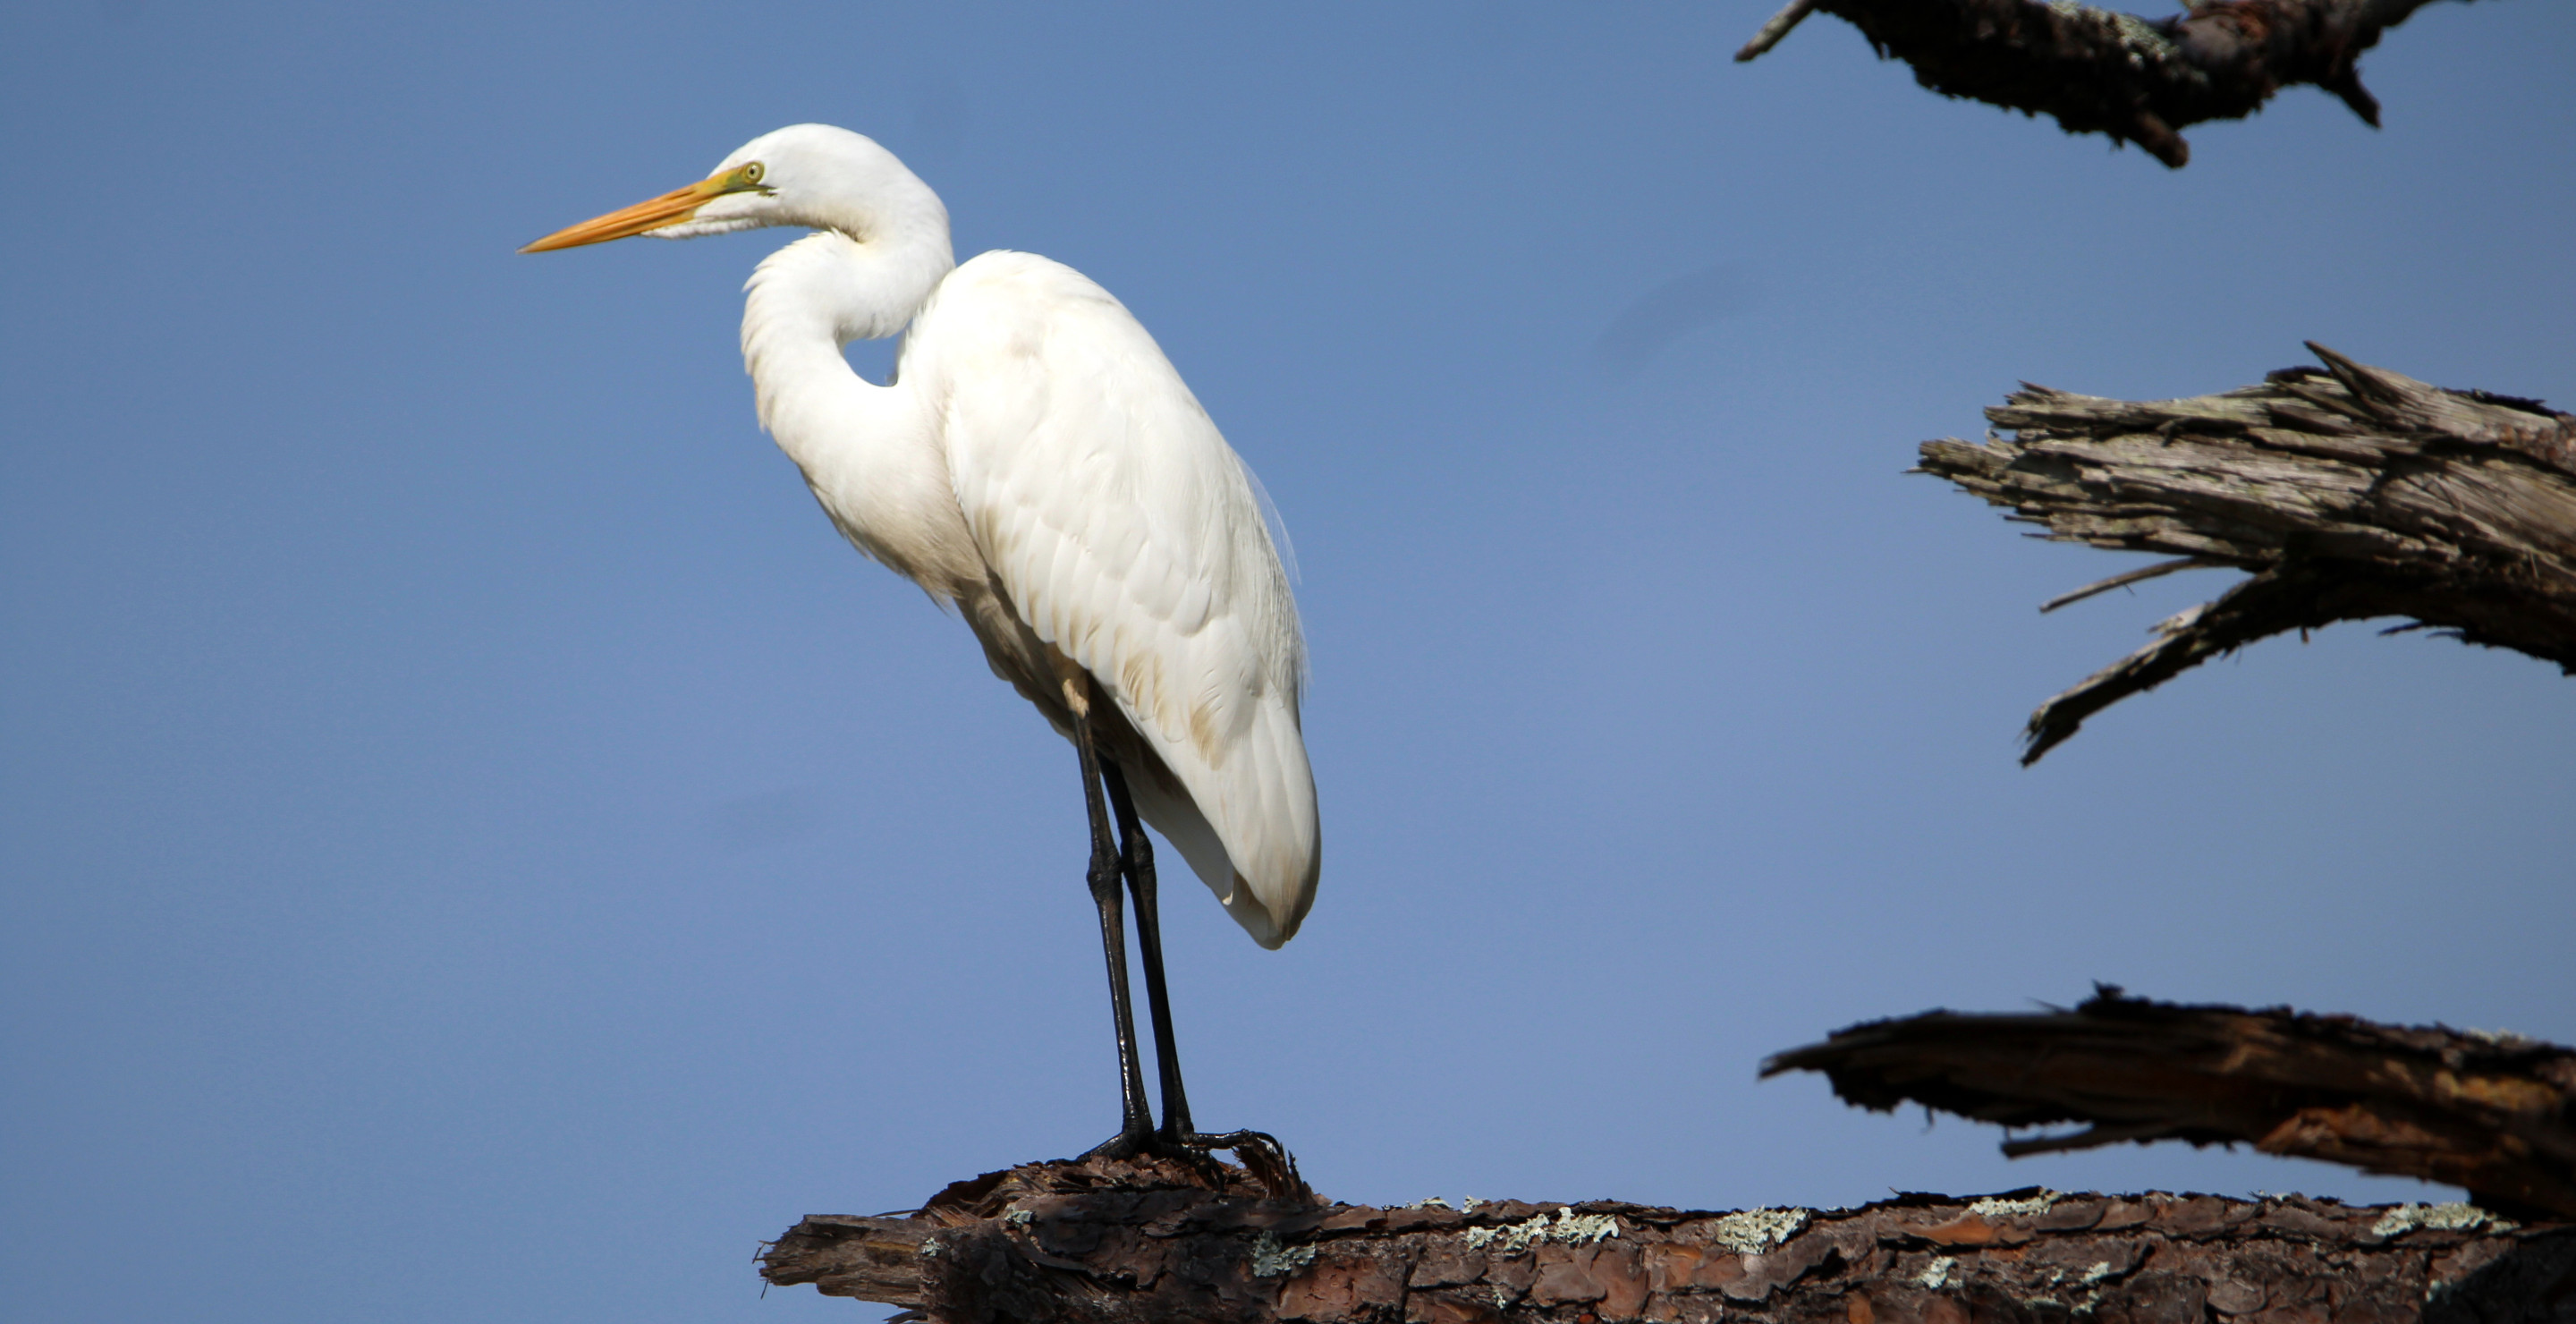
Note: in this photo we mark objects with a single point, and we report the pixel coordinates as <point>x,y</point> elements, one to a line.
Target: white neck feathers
<point>869,452</point>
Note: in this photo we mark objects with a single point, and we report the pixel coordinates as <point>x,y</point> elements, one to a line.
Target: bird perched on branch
<point>1037,465</point>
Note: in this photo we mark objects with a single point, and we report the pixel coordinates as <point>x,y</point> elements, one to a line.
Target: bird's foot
<point>1133,1143</point>
<point>1260,1153</point>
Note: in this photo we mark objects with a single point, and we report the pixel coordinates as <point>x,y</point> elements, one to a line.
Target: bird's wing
<point>1128,535</point>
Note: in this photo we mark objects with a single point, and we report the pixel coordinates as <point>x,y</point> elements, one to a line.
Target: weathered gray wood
<point>2098,71</point>
<point>2350,493</point>
<point>1093,1243</point>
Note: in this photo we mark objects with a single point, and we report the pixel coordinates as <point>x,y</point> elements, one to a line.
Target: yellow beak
<point>651,214</point>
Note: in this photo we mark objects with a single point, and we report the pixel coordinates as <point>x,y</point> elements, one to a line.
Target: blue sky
<point>474,844</point>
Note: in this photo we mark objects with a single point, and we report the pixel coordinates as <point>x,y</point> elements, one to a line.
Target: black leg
<point>1260,1152</point>
<point>1136,856</point>
<point>1136,1121</point>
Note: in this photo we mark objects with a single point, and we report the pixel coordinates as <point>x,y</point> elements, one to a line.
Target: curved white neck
<point>869,452</point>
<point>825,290</point>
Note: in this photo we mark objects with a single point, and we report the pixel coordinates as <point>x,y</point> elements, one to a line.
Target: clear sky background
<point>474,844</point>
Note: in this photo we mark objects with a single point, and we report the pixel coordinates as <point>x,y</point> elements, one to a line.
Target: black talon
<point>1262,1155</point>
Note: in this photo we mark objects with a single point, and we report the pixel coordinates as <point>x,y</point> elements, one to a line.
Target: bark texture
<point>2138,80</point>
<point>2495,1113</point>
<point>1093,1243</point>
<point>2350,492</point>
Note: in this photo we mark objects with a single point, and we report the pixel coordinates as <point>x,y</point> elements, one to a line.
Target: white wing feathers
<point>1129,537</point>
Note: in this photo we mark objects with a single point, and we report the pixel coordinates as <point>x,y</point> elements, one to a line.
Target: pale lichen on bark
<point>1130,1244</point>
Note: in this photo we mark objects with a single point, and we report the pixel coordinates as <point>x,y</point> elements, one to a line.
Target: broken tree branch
<point>2125,578</point>
<point>2350,493</point>
<point>1776,27</point>
<point>2097,71</point>
<point>2494,1113</point>
<point>1097,1242</point>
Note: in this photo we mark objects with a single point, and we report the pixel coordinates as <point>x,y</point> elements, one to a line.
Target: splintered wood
<point>2349,493</point>
<point>1097,1242</point>
<point>2492,1112</point>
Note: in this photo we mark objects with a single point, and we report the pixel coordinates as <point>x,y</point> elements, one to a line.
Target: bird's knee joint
<point>1076,684</point>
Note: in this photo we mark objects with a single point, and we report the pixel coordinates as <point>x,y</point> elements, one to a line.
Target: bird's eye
<point>751,173</point>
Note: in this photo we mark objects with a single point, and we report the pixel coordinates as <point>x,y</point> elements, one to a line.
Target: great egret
<point>1036,465</point>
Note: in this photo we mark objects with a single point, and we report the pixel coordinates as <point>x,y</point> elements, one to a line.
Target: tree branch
<point>1776,27</point>
<point>2350,493</point>
<point>1093,1243</point>
<point>2097,71</point>
<point>2494,1113</point>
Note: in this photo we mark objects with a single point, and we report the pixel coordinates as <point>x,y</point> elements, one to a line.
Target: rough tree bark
<point>1098,1243</point>
<point>2492,1112</point>
<point>2137,80</point>
<point>2350,493</point>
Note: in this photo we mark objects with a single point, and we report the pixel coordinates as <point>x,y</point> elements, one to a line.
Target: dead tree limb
<point>1108,1243</point>
<point>2350,493</point>
<point>2138,80</point>
<point>2494,1113</point>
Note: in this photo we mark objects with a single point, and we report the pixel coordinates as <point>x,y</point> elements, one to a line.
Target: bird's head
<point>809,175</point>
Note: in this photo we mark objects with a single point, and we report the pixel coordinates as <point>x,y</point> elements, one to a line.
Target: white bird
<point>1036,465</point>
